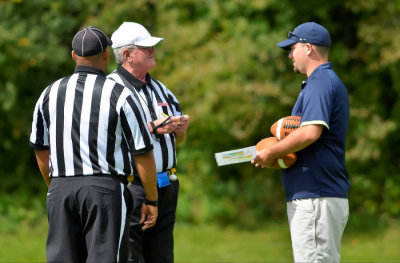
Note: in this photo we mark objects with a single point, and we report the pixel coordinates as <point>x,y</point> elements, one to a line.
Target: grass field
<point>210,244</point>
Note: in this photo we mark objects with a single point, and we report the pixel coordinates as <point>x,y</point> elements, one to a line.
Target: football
<point>282,127</point>
<point>281,162</point>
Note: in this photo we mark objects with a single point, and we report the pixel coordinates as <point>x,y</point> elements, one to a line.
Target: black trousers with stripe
<point>87,218</point>
<point>156,244</point>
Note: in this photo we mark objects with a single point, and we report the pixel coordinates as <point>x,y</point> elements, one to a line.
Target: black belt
<point>121,178</point>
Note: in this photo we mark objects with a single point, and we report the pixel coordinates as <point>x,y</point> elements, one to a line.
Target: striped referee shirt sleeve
<point>134,125</point>
<point>39,139</point>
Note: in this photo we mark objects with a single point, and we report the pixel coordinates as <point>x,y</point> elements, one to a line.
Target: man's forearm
<point>42,158</point>
<point>146,168</point>
<point>297,140</point>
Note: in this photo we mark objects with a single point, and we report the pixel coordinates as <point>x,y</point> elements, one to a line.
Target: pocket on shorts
<point>303,204</point>
<point>103,189</point>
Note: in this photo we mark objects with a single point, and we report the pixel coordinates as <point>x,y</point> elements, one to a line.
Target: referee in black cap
<point>86,130</point>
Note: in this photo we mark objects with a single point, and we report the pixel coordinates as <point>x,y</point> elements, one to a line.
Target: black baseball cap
<point>90,41</point>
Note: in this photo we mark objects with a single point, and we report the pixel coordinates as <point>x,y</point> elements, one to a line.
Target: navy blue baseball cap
<point>90,41</point>
<point>309,32</point>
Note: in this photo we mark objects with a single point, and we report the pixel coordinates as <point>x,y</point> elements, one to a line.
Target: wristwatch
<point>152,203</point>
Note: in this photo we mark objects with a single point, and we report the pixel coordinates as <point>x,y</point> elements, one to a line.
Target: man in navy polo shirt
<point>316,187</point>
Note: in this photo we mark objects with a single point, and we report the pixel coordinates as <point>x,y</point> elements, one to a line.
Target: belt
<point>124,179</point>
<point>171,175</point>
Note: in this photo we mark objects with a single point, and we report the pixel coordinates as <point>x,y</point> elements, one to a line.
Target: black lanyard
<point>149,102</point>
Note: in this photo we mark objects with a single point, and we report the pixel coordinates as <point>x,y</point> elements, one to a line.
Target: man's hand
<point>264,159</point>
<point>169,125</point>
<point>149,216</point>
<point>183,124</point>
<point>299,139</point>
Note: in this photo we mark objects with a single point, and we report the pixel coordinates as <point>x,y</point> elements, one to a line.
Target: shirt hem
<point>314,123</point>
<point>38,146</point>
<point>142,151</point>
<point>288,199</point>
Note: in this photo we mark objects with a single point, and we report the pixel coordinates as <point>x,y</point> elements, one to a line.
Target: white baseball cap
<point>130,33</point>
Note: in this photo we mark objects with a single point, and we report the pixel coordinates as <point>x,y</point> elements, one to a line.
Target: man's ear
<point>73,55</point>
<point>309,47</point>
<point>125,54</point>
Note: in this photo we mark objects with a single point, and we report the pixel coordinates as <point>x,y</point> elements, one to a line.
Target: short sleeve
<point>134,126</point>
<point>39,139</point>
<point>317,103</point>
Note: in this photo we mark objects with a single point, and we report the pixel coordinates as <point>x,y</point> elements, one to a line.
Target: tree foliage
<point>221,60</point>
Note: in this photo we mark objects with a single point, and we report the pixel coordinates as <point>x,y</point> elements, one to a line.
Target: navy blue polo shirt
<point>320,168</point>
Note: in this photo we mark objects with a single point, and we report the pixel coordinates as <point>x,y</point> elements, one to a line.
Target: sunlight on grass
<point>375,246</point>
<point>272,244</point>
<point>209,244</point>
<point>26,245</point>
<point>213,244</point>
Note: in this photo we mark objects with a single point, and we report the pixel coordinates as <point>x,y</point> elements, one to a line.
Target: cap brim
<point>109,41</point>
<point>285,44</point>
<point>149,42</point>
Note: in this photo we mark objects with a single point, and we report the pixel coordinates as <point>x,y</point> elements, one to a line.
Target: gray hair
<point>118,53</point>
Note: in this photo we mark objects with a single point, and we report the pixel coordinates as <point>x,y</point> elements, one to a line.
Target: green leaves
<point>221,60</point>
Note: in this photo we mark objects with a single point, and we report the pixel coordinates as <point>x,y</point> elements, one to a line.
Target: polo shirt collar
<point>88,69</point>
<point>316,70</point>
<point>136,83</point>
<point>327,65</point>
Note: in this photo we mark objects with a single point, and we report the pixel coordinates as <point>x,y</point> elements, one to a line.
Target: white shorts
<point>316,228</point>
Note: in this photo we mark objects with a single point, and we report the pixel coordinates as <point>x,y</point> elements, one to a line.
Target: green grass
<point>209,244</point>
<point>25,245</point>
<point>213,244</point>
<point>272,244</point>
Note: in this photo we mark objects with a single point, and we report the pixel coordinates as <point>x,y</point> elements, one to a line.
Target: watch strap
<point>152,203</point>
<point>153,127</point>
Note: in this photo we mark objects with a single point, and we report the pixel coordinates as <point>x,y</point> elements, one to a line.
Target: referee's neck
<point>99,61</point>
<point>139,74</point>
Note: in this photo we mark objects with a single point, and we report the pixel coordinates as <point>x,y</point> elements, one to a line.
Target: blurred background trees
<point>221,60</point>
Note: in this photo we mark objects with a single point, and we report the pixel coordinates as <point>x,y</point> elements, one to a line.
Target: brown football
<point>281,162</point>
<point>282,127</point>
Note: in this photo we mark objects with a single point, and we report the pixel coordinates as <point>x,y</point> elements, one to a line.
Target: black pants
<point>87,217</point>
<point>156,244</point>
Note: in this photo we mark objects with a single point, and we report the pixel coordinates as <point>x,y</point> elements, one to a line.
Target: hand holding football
<point>281,162</point>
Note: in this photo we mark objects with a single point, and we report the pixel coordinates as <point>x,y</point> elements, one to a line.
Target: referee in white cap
<point>86,131</point>
<point>134,51</point>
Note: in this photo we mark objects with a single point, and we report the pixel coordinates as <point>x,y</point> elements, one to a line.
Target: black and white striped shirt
<point>91,125</point>
<point>157,98</point>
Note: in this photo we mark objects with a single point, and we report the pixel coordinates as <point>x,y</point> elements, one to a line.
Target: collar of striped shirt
<point>136,83</point>
<point>88,69</point>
